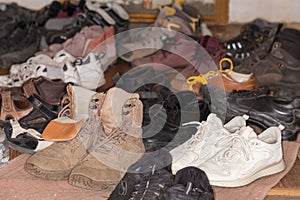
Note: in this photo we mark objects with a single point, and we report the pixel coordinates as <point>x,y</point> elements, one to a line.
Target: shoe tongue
<point>236,123</point>
<point>214,122</point>
<point>114,110</point>
<point>247,132</point>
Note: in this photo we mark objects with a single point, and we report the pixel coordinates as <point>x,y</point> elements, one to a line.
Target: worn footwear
<point>191,183</point>
<point>78,96</point>
<point>263,110</point>
<point>90,71</point>
<point>176,53</point>
<point>79,44</point>
<point>279,72</point>
<point>29,41</point>
<point>164,128</point>
<point>57,161</point>
<point>13,106</point>
<point>24,140</point>
<point>116,146</point>
<point>213,47</point>
<point>34,67</point>
<point>246,158</point>
<point>58,30</point>
<point>142,42</point>
<point>148,178</point>
<point>52,91</point>
<point>185,19</point>
<point>227,79</point>
<point>201,146</point>
<point>181,53</point>
<point>255,39</point>
<point>25,134</point>
<point>109,13</point>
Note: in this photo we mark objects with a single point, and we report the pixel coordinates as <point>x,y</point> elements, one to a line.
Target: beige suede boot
<point>57,161</point>
<point>110,156</point>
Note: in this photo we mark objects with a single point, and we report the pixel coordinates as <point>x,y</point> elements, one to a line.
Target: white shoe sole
<point>270,170</point>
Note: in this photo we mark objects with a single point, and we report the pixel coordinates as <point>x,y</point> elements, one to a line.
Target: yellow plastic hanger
<point>202,78</point>
<point>221,65</point>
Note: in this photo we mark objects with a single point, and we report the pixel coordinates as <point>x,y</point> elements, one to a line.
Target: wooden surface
<point>289,187</point>
<point>217,15</point>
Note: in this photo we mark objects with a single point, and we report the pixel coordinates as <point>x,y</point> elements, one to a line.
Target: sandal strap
<point>29,88</point>
<point>7,105</point>
<point>42,106</point>
<point>51,91</point>
<point>8,109</point>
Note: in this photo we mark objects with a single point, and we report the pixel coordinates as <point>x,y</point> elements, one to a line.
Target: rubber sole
<point>45,174</point>
<point>21,149</point>
<point>87,183</point>
<point>285,91</point>
<point>270,170</point>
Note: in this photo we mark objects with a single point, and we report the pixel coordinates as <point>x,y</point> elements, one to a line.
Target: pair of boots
<point>105,146</point>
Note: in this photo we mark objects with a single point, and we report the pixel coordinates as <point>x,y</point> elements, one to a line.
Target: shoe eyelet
<point>78,61</point>
<point>281,66</point>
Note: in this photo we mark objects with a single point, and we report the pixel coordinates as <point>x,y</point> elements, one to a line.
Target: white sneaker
<point>90,71</point>
<point>86,72</point>
<point>41,65</point>
<point>246,158</point>
<point>202,145</point>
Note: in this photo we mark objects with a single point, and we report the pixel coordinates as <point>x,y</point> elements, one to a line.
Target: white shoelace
<point>198,136</point>
<point>235,144</point>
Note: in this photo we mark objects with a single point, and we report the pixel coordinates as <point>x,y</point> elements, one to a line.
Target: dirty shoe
<point>57,161</point>
<point>121,146</point>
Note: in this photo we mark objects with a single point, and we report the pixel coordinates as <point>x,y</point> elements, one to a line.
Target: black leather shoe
<point>146,179</point>
<point>164,111</point>
<point>23,42</point>
<point>165,119</point>
<point>255,40</point>
<point>191,183</point>
<point>263,111</point>
<point>279,71</point>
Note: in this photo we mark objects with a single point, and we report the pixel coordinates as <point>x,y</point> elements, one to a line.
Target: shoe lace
<point>102,142</point>
<point>149,187</point>
<point>202,131</point>
<point>235,144</point>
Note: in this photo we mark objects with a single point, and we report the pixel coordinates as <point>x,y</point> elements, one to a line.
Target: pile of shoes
<point>173,18</point>
<point>80,59</point>
<point>192,111</point>
<point>39,86</point>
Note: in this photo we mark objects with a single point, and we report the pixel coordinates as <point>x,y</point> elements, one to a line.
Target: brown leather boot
<point>57,161</point>
<point>121,146</point>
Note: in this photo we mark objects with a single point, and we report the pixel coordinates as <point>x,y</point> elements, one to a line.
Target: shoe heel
<point>276,168</point>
